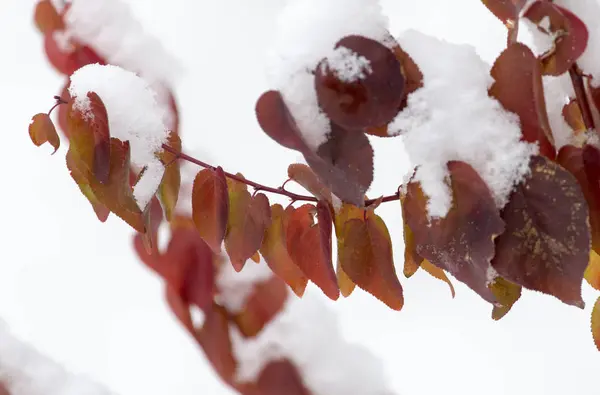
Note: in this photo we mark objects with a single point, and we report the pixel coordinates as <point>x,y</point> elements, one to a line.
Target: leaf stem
<point>260,187</point>
<point>582,99</point>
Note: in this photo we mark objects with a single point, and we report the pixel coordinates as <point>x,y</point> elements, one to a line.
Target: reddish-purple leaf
<point>546,245</point>
<point>462,242</point>
<point>518,87</point>
<point>276,121</point>
<point>370,99</point>
<point>571,35</point>
<point>345,164</point>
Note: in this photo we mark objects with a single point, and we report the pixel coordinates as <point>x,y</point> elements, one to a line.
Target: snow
<point>347,65</point>
<point>328,363</point>
<point>109,27</point>
<point>134,115</point>
<point>294,57</point>
<point>453,118</point>
<point>236,287</point>
<point>26,372</point>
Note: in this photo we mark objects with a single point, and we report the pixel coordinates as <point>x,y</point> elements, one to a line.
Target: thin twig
<point>259,187</point>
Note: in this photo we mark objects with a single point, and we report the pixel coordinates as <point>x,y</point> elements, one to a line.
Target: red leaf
<point>215,341</point>
<point>366,257</point>
<point>210,206</point>
<point>571,35</point>
<point>305,247</point>
<point>546,245</point>
<point>265,302</point>
<point>505,10</point>
<point>274,251</point>
<point>358,103</point>
<point>462,242</point>
<point>518,87</point>
<point>249,217</point>
<point>42,130</point>
<point>280,378</point>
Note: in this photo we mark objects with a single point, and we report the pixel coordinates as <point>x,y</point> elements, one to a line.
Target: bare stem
<point>259,187</point>
<point>582,99</point>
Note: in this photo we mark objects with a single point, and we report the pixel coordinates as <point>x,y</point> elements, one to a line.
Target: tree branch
<point>260,187</point>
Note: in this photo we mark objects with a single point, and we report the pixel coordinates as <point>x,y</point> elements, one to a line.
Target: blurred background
<point>72,287</point>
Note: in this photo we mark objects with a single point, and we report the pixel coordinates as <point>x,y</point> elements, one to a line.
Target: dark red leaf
<point>546,245</point>
<point>518,87</point>
<point>276,121</point>
<point>462,242</point>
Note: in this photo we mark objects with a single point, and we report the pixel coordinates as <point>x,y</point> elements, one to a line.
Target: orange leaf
<point>256,257</point>
<point>506,294</point>
<point>571,35</point>
<point>596,323</point>
<point>304,176</point>
<point>412,260</point>
<point>571,112</point>
<point>592,272</point>
<point>274,251</point>
<point>305,244</point>
<point>367,258</point>
<point>265,302</point>
<point>210,206</point>
<point>42,130</point>
<point>249,217</point>
<point>462,242</point>
<point>438,273</point>
<point>346,213</point>
<point>546,245</point>
<point>518,87</point>
<point>46,17</point>
<point>116,194</point>
<point>168,191</point>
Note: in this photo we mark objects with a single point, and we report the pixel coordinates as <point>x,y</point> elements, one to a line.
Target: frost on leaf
<point>274,251</point>
<point>248,218</point>
<point>569,32</point>
<point>367,258</point>
<point>546,244</point>
<point>370,99</point>
<point>462,242</point>
<point>306,243</point>
<point>596,323</point>
<point>584,164</point>
<point>592,272</point>
<point>42,130</point>
<point>506,294</point>
<point>210,206</point>
<point>168,191</point>
<point>265,302</point>
<point>518,87</point>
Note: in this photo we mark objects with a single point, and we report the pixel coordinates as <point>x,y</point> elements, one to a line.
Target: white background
<point>73,288</point>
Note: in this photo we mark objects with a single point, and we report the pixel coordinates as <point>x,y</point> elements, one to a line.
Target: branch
<point>260,187</point>
<point>582,99</point>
